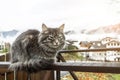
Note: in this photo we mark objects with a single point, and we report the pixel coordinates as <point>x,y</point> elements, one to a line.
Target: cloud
<point>25,14</point>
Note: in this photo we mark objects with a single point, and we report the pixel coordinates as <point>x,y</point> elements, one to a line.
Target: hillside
<point>106,29</point>
<point>11,33</point>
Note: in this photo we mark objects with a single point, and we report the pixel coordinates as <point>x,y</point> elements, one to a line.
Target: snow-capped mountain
<point>11,33</point>
<point>105,31</point>
<point>8,36</point>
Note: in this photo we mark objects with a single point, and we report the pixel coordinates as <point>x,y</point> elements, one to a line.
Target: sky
<point>75,14</point>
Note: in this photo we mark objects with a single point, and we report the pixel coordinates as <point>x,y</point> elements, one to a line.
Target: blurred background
<point>81,17</point>
<point>89,24</point>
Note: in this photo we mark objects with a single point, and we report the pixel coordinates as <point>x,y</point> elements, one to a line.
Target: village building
<point>107,42</point>
<point>98,55</point>
<point>85,45</point>
<point>113,55</point>
<point>107,39</point>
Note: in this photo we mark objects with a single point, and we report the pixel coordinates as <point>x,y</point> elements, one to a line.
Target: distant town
<point>107,42</point>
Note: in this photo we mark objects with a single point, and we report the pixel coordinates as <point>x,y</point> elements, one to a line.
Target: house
<point>113,55</point>
<point>85,45</point>
<point>98,55</point>
<point>107,39</point>
<point>113,44</point>
<point>106,42</point>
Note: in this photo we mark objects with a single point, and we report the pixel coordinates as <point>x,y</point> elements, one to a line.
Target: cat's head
<point>52,38</point>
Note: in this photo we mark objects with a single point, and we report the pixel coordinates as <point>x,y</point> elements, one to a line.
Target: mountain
<point>105,29</point>
<point>11,33</point>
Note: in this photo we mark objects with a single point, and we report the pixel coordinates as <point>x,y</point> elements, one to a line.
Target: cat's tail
<point>31,65</point>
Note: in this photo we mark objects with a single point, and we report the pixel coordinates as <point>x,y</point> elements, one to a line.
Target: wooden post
<point>58,71</point>
<point>15,75</point>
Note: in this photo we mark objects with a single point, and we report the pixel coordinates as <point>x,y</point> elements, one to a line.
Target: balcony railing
<point>62,65</point>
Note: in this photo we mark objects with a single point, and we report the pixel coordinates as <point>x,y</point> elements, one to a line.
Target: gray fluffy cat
<point>34,50</point>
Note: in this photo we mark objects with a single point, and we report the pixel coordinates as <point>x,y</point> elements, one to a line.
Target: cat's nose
<point>56,43</point>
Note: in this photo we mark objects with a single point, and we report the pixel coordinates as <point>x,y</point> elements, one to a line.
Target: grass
<point>4,50</point>
<point>116,76</point>
<point>72,56</point>
<point>92,76</point>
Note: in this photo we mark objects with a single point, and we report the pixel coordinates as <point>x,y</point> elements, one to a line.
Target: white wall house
<point>85,45</point>
<point>107,39</point>
<point>113,44</point>
<point>107,42</point>
<point>98,55</point>
<point>112,55</point>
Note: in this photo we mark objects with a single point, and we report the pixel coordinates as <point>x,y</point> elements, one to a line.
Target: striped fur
<point>33,51</point>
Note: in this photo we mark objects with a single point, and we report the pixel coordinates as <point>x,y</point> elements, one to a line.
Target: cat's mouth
<point>55,46</point>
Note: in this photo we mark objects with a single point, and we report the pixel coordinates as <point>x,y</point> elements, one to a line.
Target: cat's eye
<point>60,36</point>
<point>50,37</point>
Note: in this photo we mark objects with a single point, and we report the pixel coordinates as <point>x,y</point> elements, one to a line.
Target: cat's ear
<point>61,28</point>
<point>44,27</point>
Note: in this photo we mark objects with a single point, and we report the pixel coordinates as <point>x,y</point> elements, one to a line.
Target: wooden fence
<point>62,65</point>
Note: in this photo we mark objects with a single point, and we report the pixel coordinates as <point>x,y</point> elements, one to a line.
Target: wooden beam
<point>4,67</point>
<point>102,67</point>
<point>89,50</point>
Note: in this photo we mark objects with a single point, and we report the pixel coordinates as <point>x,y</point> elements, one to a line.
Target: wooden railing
<point>102,67</point>
<point>62,65</point>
